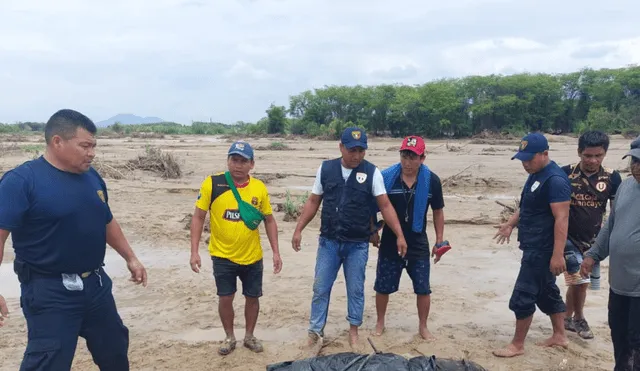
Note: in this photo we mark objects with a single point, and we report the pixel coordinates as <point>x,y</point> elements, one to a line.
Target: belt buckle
<point>85,274</point>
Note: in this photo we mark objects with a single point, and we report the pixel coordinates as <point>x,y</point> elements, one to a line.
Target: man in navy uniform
<point>56,209</point>
<point>542,221</point>
<point>348,187</point>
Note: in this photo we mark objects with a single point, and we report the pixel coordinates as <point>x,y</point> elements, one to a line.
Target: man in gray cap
<point>619,239</point>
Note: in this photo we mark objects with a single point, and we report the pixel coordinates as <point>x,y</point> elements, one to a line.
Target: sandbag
<point>375,362</point>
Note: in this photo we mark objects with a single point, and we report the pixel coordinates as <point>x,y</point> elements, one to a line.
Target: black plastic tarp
<point>375,362</point>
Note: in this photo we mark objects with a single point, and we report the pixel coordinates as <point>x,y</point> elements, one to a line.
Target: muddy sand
<point>174,322</point>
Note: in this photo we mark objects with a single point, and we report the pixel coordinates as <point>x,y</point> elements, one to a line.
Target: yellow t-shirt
<point>230,238</point>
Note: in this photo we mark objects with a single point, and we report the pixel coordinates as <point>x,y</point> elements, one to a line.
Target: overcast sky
<point>227,60</point>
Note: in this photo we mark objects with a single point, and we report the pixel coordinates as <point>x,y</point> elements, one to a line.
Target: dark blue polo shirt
<point>57,219</point>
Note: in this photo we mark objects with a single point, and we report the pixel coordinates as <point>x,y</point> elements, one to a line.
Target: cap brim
<point>240,153</point>
<point>356,144</point>
<point>523,156</point>
<point>412,149</point>
<point>634,152</point>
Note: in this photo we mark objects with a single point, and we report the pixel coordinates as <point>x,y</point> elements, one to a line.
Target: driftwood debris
<point>508,210</point>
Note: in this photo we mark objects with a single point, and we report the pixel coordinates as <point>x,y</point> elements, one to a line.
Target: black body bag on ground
<point>375,362</point>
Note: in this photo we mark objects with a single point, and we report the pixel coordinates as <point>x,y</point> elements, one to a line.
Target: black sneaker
<point>569,324</point>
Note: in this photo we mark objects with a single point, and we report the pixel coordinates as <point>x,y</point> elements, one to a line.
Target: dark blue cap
<point>530,145</point>
<point>241,148</point>
<point>354,137</point>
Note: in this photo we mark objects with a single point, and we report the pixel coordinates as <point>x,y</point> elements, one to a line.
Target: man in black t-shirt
<point>591,187</point>
<point>412,188</point>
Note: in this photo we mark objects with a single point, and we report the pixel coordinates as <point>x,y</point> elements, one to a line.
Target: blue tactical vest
<point>346,206</point>
<point>536,224</point>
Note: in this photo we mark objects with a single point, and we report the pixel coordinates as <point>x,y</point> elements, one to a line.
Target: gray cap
<point>635,149</point>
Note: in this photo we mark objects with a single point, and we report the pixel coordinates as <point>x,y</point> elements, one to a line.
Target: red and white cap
<point>414,144</point>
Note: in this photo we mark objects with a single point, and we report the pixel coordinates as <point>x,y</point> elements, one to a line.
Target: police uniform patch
<point>601,186</point>
<point>535,186</point>
<point>356,134</point>
<point>101,195</point>
<point>361,177</point>
<point>254,201</point>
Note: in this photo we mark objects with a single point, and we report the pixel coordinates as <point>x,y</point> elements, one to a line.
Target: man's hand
<point>195,262</point>
<point>295,241</point>
<point>277,263</point>
<point>375,239</point>
<point>402,247</point>
<point>138,273</point>
<point>587,266</point>
<point>557,265</point>
<point>4,310</point>
<point>504,233</point>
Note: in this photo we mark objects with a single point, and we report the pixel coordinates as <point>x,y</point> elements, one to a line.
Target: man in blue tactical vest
<point>542,220</point>
<point>347,187</point>
<point>56,209</point>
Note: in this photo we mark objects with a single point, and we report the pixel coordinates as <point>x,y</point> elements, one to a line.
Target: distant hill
<point>128,119</point>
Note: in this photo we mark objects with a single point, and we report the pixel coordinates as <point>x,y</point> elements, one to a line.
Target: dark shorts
<point>536,285</point>
<point>226,273</point>
<point>390,269</point>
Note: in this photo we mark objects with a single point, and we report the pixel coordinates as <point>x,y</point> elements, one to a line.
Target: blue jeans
<point>353,256</point>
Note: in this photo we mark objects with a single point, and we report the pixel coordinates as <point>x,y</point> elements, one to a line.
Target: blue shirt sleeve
<point>558,189</point>
<point>14,200</point>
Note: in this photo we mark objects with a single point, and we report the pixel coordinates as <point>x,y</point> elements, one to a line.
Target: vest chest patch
<point>361,177</point>
<point>535,186</point>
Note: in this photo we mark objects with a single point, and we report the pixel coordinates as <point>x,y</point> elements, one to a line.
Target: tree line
<point>604,99</point>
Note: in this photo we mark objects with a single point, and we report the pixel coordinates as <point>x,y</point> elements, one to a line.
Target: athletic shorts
<point>390,269</point>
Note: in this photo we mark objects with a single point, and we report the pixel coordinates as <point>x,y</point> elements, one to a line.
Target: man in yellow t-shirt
<point>235,249</point>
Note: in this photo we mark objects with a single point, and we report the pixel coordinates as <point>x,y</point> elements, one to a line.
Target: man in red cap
<point>411,187</point>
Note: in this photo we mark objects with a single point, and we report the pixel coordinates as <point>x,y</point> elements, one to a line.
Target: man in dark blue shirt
<point>56,209</point>
<point>542,221</point>
<point>412,187</point>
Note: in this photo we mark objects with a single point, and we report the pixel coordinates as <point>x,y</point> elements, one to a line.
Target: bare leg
<point>225,310</point>
<point>559,337</point>
<point>516,347</point>
<point>424,304</point>
<point>381,309</point>
<point>570,297</point>
<point>251,310</point>
<point>579,298</point>
<point>353,335</point>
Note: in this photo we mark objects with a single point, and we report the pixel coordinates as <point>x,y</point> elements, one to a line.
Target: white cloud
<point>228,60</point>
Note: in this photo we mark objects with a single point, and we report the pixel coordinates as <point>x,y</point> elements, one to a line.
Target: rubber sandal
<point>253,344</point>
<point>442,248</point>
<point>228,346</point>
